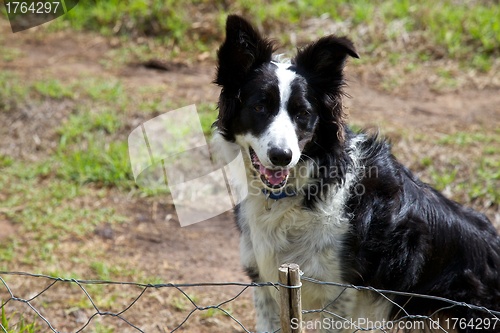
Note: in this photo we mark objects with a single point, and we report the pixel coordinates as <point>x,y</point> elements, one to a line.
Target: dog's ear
<point>243,50</point>
<point>322,62</point>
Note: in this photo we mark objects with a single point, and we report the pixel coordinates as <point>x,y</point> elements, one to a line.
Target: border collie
<point>336,202</point>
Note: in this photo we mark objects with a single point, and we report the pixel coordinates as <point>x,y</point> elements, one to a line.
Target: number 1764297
<point>24,7</point>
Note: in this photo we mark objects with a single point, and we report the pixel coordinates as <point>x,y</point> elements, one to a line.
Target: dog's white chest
<point>288,233</point>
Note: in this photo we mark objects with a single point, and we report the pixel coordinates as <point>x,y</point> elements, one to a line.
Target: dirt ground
<point>151,240</point>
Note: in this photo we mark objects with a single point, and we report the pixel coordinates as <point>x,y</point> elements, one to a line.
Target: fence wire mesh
<point>58,304</point>
<point>406,321</point>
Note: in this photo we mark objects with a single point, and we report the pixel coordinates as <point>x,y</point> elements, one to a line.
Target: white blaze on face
<point>281,132</point>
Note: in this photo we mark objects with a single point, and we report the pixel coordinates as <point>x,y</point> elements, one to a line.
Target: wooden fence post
<point>290,299</point>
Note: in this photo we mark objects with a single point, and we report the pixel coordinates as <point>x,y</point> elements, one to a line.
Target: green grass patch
<point>441,180</point>
<point>12,91</point>
<point>463,29</point>
<point>96,161</point>
<point>89,151</point>
<point>129,52</point>
<point>208,114</point>
<point>87,122</point>
<point>466,31</point>
<point>10,54</point>
<point>486,183</point>
<point>53,89</point>
<point>153,280</point>
<point>483,182</point>
<point>35,205</point>
<point>16,323</point>
<point>8,252</point>
<point>5,161</point>
<point>102,270</point>
<point>183,303</point>
<point>103,91</point>
<point>47,226</point>
<point>464,139</point>
<point>49,211</point>
<point>153,17</point>
<point>98,91</point>
<point>101,328</point>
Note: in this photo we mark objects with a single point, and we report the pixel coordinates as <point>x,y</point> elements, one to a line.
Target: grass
<point>207,113</point>
<point>53,89</point>
<point>131,17</point>
<point>10,54</point>
<point>5,161</point>
<point>86,155</point>
<point>50,209</point>
<point>20,325</point>
<point>466,31</point>
<point>12,91</point>
<point>469,139</point>
<point>464,165</point>
<point>91,147</point>
<point>93,163</point>
<point>459,30</point>
<point>103,91</point>
<point>44,198</point>
<point>484,180</point>
<point>85,122</point>
<point>184,302</point>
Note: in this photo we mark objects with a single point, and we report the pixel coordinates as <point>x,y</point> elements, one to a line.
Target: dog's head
<point>280,111</point>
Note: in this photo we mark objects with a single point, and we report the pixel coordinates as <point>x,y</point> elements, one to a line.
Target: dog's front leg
<point>267,310</point>
<point>266,307</point>
<point>342,310</point>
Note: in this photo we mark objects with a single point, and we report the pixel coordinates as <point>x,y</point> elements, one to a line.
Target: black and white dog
<point>335,202</point>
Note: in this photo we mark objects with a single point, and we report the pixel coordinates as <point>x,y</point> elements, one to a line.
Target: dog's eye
<point>301,115</point>
<point>259,108</point>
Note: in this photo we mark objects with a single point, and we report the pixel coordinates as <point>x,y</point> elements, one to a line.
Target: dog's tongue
<point>274,177</point>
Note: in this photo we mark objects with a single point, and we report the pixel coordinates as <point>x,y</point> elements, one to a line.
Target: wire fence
<point>57,303</point>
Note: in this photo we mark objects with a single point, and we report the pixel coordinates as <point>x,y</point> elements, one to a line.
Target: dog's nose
<point>279,156</point>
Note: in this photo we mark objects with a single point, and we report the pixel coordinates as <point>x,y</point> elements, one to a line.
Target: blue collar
<point>278,195</point>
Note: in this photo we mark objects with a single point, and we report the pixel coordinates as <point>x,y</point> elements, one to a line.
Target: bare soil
<point>151,240</point>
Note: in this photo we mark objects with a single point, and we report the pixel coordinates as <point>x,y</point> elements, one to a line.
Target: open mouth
<point>272,178</point>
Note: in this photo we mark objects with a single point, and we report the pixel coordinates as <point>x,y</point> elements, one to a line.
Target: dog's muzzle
<point>274,178</point>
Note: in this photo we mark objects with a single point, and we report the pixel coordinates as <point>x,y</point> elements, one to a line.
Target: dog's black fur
<point>403,235</point>
<point>407,236</point>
